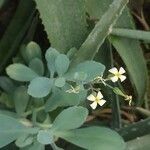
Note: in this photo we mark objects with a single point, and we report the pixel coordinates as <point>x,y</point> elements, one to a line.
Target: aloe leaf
<point>16,31</point>
<point>102,29</point>
<point>64,21</point>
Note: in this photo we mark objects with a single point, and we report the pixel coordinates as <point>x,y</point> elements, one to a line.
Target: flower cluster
<point>115,76</point>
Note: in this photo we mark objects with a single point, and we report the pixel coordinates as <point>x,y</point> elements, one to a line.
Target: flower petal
<point>102,102</point>
<point>113,70</point>
<point>122,78</point>
<point>94,105</point>
<point>91,97</point>
<point>114,79</point>
<point>99,95</point>
<point>121,70</point>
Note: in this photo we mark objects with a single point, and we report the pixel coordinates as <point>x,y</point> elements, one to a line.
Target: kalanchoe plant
<point>42,88</point>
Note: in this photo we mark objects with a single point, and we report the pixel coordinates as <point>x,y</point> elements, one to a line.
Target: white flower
<point>117,74</point>
<point>96,100</point>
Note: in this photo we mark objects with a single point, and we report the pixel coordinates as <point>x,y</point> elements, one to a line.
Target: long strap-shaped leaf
<point>64,22</point>
<point>102,29</point>
<point>16,31</point>
<point>131,33</point>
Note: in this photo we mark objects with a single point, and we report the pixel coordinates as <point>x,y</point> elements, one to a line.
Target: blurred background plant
<point>115,38</point>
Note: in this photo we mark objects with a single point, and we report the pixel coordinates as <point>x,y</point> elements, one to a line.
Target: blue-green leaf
<point>61,64</point>
<point>37,65</point>
<point>70,118</point>
<point>10,130</point>
<point>45,137</point>
<point>32,50</point>
<point>40,87</point>
<point>6,84</point>
<point>94,138</point>
<point>21,99</point>
<point>50,56</point>
<point>60,82</point>
<point>91,69</point>
<point>20,72</point>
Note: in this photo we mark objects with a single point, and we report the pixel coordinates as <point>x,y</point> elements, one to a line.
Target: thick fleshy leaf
<point>45,137</point>
<point>94,138</point>
<point>60,82</point>
<point>32,51</point>
<point>90,69</point>
<point>21,99</point>
<point>6,84</point>
<point>20,72</point>
<point>70,118</point>
<point>37,65</point>
<point>50,56</point>
<point>61,64</point>
<point>40,87</point>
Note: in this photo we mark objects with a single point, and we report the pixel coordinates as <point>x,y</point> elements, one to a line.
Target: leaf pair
<point>56,62</point>
<point>92,138</point>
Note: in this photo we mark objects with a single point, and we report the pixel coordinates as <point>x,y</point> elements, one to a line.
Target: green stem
<point>44,126</point>
<point>30,111</point>
<point>134,34</point>
<point>109,86</point>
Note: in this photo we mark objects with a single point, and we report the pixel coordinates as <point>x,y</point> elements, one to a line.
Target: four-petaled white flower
<point>117,74</point>
<point>96,100</point>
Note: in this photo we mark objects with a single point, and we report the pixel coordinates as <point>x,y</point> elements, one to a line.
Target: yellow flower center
<point>97,99</point>
<point>117,74</point>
